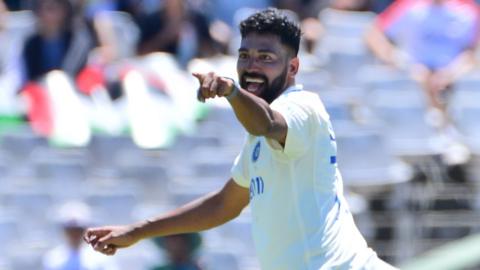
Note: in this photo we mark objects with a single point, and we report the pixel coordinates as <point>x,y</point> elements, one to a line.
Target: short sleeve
<point>239,170</point>
<point>298,116</point>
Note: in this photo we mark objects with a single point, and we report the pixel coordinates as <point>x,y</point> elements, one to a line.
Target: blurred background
<point>99,124</point>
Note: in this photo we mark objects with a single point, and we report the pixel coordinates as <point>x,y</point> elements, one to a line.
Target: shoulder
<point>299,97</point>
<point>304,96</point>
<point>305,101</point>
<point>395,11</point>
<point>304,108</point>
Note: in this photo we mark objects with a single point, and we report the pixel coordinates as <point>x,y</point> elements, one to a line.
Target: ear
<point>293,66</point>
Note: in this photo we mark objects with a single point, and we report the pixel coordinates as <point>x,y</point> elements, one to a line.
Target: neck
<point>290,82</point>
<point>49,32</point>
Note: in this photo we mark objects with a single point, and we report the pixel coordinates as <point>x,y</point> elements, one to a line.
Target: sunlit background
<point>99,123</point>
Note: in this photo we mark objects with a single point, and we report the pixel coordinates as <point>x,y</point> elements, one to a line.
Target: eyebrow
<point>260,50</point>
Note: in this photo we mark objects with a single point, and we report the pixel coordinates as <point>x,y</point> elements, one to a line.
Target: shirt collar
<point>293,88</point>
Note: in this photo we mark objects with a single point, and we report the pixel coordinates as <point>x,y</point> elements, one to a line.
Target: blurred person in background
<point>3,25</point>
<point>432,40</point>
<point>73,218</point>
<point>227,10</point>
<point>15,5</point>
<point>303,8</point>
<point>95,17</point>
<point>180,250</point>
<point>176,28</point>
<point>10,65</point>
<point>380,5</point>
<point>307,11</point>
<point>3,9</point>
<point>59,43</point>
<point>352,5</point>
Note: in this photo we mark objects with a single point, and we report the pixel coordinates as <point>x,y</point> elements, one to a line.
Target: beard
<point>271,90</point>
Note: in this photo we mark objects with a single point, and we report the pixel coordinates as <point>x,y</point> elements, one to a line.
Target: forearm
<point>381,46</point>
<point>202,214</point>
<point>461,65</point>
<point>106,36</point>
<point>254,113</point>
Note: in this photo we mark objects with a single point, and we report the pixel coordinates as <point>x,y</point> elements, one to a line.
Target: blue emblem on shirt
<point>256,152</point>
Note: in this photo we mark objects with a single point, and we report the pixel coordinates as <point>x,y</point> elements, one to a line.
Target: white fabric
<point>300,218</point>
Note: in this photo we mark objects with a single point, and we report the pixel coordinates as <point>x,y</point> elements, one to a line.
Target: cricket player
<point>287,169</point>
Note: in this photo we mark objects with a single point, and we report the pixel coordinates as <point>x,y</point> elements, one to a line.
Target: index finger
<point>199,76</point>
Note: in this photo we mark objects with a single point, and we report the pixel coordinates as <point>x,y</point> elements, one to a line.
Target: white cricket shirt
<point>300,218</point>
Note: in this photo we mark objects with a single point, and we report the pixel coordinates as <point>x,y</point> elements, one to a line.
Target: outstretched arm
<point>207,212</point>
<point>381,47</point>
<point>253,112</point>
<point>3,14</point>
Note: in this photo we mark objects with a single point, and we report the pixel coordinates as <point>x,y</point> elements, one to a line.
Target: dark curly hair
<point>273,21</point>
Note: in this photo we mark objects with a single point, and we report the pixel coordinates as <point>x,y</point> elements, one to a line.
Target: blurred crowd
<point>73,68</point>
<point>96,44</point>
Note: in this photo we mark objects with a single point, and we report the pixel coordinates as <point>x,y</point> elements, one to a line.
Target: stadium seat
<point>317,80</point>
<point>9,232</point>
<point>219,260</point>
<point>465,108</point>
<point>186,190</point>
<point>344,64</point>
<point>103,149</point>
<point>348,23</point>
<point>381,168</point>
<point>30,204</point>
<point>113,206</point>
<point>5,163</point>
<point>374,77</point>
<point>470,81</point>
<point>19,144</point>
<point>59,163</point>
<point>401,114</point>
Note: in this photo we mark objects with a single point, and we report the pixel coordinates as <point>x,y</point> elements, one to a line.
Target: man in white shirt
<point>287,169</point>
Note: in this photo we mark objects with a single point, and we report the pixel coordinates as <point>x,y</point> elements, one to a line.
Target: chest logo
<point>256,152</point>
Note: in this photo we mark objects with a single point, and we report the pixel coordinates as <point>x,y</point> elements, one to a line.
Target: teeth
<point>253,80</point>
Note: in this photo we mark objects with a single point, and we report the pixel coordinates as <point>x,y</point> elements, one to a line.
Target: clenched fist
<point>212,85</point>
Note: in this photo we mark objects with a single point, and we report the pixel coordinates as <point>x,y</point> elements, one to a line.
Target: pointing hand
<point>212,85</point>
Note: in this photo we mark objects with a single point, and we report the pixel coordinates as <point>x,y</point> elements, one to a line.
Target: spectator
<point>74,217</point>
<point>3,22</point>
<point>380,5</point>
<point>15,5</point>
<point>178,29</point>
<point>91,8</point>
<point>10,74</point>
<point>225,10</point>
<point>304,8</point>
<point>352,5</point>
<point>57,44</point>
<point>180,251</point>
<point>3,8</point>
<point>437,39</point>
<point>96,18</point>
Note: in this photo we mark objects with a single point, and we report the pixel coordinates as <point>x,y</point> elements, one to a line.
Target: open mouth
<point>254,84</point>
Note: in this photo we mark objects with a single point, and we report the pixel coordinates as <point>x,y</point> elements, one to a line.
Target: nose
<point>253,64</point>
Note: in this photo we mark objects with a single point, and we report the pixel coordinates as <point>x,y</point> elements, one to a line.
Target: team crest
<point>256,152</point>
